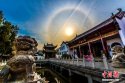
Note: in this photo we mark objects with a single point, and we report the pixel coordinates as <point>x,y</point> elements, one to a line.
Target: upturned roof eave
<point>103,24</point>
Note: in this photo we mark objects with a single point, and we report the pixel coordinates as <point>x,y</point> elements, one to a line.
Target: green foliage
<point>8,32</point>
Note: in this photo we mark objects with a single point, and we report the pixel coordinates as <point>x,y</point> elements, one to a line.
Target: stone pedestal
<point>29,72</point>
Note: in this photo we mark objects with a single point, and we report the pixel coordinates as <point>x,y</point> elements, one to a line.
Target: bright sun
<point>69,31</point>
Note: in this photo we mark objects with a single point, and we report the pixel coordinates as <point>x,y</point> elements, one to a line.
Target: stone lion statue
<point>118,59</point>
<point>26,45</point>
<point>21,66</point>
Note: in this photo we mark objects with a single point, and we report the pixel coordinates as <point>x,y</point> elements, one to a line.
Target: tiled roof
<point>119,15</point>
<point>49,45</point>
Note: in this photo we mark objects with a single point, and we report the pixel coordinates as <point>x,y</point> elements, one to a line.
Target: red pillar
<point>90,51</point>
<point>80,52</point>
<point>103,44</point>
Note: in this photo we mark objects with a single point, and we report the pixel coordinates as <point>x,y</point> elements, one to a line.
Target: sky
<point>48,20</point>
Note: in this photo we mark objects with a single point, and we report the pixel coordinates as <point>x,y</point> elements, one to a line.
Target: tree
<point>8,32</point>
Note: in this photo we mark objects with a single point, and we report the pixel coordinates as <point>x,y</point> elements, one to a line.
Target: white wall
<point>64,50</point>
<point>121,23</point>
<point>39,57</point>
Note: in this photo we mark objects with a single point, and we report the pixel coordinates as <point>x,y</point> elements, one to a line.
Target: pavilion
<point>49,50</point>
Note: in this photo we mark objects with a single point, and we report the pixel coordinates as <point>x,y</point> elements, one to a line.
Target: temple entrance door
<point>84,50</point>
<point>96,48</point>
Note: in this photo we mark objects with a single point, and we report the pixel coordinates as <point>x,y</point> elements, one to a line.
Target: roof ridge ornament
<point>120,13</point>
<point>119,9</point>
<point>113,14</point>
<point>76,35</point>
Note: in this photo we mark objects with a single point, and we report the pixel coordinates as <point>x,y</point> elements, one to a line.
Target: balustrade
<point>94,63</point>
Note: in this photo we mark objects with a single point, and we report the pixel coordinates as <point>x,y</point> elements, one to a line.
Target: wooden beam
<point>97,38</point>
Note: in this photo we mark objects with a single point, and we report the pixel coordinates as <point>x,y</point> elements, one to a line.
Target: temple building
<point>64,48</point>
<point>49,51</point>
<point>101,38</point>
